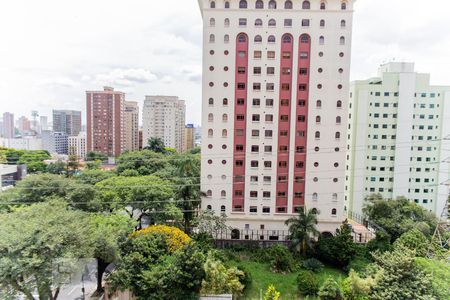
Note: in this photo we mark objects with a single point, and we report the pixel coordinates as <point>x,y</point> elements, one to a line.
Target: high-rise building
<point>399,138</point>
<point>189,138</point>
<point>55,142</point>
<point>77,145</point>
<point>275,89</point>
<point>164,117</point>
<point>105,121</point>
<point>24,126</point>
<point>8,125</point>
<point>131,126</point>
<point>67,121</point>
<point>43,120</point>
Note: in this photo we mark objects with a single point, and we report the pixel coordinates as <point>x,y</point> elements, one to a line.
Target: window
<point>258,39</point>
<point>241,86</point>
<point>225,117</point>
<point>239,163</point>
<point>318,119</point>
<point>253,194</point>
<point>321,40</point>
<point>319,103</point>
<point>268,133</point>
<point>222,208</point>
<point>241,70</point>
<point>342,40</point>
<point>212,22</point>
<point>226,22</point>
<point>338,120</point>
<point>343,23</point>
<point>259,4</point>
<point>333,211</point>
<point>317,135</point>
<point>272,23</point>
<point>266,210</point>
<point>303,71</point>
<point>304,39</point>
<point>306,5</point>
<point>223,194</point>
<point>334,197</point>
<point>322,23</point>
<point>227,4</point>
<point>210,117</point>
<point>256,70</point>
<point>242,22</point>
<point>269,118</point>
<point>210,133</point>
<point>343,6</point>
<point>255,132</point>
<point>271,54</point>
<point>270,86</point>
<point>243,4</point>
<point>271,39</point>
<point>209,207</point>
<point>288,4</point>
<point>253,209</point>
<point>272,4</point>
<point>337,135</point>
<point>267,164</point>
<point>212,4</point>
<point>322,6</point>
<point>287,22</point>
<point>270,70</point>
<point>255,118</point>
<point>242,38</point>
<point>315,197</point>
<point>212,38</point>
<point>211,101</point>
<point>269,103</point>
<point>239,148</point>
<point>258,22</point>
<point>226,38</point>
<point>257,54</point>
<point>256,86</point>
<point>305,23</point>
<point>240,101</point>
<point>254,164</point>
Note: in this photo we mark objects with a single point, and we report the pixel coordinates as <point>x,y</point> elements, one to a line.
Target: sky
<point>52,51</point>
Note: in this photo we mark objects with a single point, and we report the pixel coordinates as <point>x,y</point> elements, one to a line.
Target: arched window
<point>318,119</point>
<point>338,120</point>
<point>288,4</point>
<point>227,4</point>
<point>259,4</point>
<point>322,23</point>
<point>321,40</point>
<point>315,197</point>
<point>271,39</point>
<point>287,39</point>
<point>212,4</point>
<point>225,101</point>
<point>343,23</point>
<point>223,194</point>
<point>333,211</point>
<point>222,208</point>
<point>212,22</point>
<point>226,22</point>
<point>224,133</point>
<point>317,135</point>
<point>226,38</point>
<point>212,38</point>
<point>323,6</point>
<point>337,135</point>
<point>209,207</point>
<point>319,103</point>
<point>272,23</point>
<point>225,117</point>
<point>258,22</point>
<point>306,5</point>
<point>339,104</point>
<point>342,40</point>
<point>242,38</point>
<point>343,6</point>
<point>304,39</point>
<point>210,132</point>
<point>242,4</point>
<point>235,234</point>
<point>211,101</point>
<point>272,4</point>
<point>209,193</point>
<point>258,39</point>
<point>210,117</point>
<point>334,197</point>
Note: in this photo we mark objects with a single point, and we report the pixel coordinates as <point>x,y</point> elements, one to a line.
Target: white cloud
<point>125,77</point>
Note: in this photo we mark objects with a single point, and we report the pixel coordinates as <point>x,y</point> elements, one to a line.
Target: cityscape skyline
<point>55,85</point>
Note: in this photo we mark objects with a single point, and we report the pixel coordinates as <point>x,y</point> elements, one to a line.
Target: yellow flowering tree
<point>174,237</point>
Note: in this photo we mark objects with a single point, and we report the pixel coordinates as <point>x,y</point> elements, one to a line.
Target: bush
<point>330,290</point>
<point>414,240</point>
<point>204,240</point>
<point>246,279</point>
<point>307,283</point>
<point>312,264</point>
<point>358,264</point>
<point>280,258</point>
<point>381,242</point>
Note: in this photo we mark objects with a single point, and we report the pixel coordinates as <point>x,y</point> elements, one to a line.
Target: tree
<point>307,283</point>
<point>271,293</point>
<point>72,165</point>
<point>57,168</point>
<point>219,279</point>
<point>155,144</point>
<point>357,288</point>
<point>145,162</point>
<point>93,176</point>
<point>302,228</point>
<point>109,232</point>
<point>330,290</point>
<point>208,222</point>
<point>280,258</point>
<point>414,240</point>
<point>33,159</point>
<point>34,241</point>
<point>93,156</point>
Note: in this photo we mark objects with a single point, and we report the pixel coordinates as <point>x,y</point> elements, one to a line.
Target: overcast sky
<point>52,51</point>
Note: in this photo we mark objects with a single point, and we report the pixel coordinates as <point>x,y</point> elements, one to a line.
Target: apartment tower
<point>105,121</point>
<point>8,125</point>
<point>67,121</point>
<point>189,142</point>
<point>131,126</point>
<point>275,90</point>
<point>398,139</point>
<point>164,117</point>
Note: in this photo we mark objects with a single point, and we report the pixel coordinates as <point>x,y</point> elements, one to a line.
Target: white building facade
<point>164,117</point>
<point>275,90</point>
<point>77,145</point>
<point>22,143</point>
<point>398,139</point>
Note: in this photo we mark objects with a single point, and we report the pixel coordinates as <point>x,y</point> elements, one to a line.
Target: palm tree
<point>156,145</point>
<point>302,228</point>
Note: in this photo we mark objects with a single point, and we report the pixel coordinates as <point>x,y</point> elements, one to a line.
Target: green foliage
<point>381,242</point>
<point>93,176</point>
<point>96,156</point>
<point>281,259</point>
<point>34,159</point>
<point>208,222</point>
<point>221,280</point>
<point>440,273</point>
<point>156,145</point>
<point>399,216</point>
<point>144,162</point>
<point>414,240</point>
<point>357,288</point>
<point>307,283</point>
<point>312,264</point>
<point>246,279</point>
<point>93,164</point>
<point>359,263</point>
<point>39,241</point>
<point>271,293</point>
<point>57,168</point>
<point>330,290</point>
<point>301,229</point>
<point>339,249</point>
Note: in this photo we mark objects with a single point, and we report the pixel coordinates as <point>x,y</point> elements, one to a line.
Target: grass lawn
<point>285,283</point>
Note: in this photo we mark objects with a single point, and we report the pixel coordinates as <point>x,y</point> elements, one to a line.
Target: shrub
<point>204,240</point>
<point>272,293</point>
<point>245,279</point>
<point>312,264</point>
<point>413,240</point>
<point>358,264</point>
<point>280,258</point>
<point>307,283</point>
<point>381,242</point>
<point>330,290</point>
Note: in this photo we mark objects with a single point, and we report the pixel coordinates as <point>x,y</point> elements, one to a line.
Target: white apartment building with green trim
<point>398,139</point>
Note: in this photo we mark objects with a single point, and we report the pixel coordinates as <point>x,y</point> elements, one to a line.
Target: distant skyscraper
<point>67,121</point>
<point>8,125</point>
<point>77,145</point>
<point>189,136</point>
<point>24,126</point>
<point>164,118</point>
<point>131,126</point>
<point>105,121</point>
<point>43,120</point>
<point>399,139</point>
